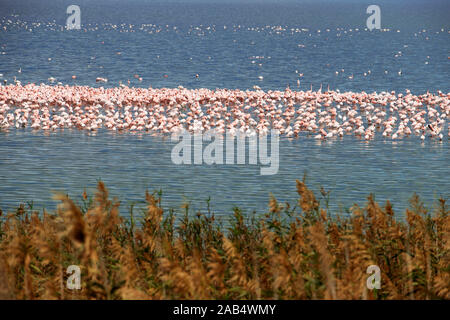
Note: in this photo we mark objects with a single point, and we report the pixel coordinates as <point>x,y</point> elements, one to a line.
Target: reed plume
<point>299,252</point>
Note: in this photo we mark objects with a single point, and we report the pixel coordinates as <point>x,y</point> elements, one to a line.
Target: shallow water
<point>33,165</point>
<point>229,46</point>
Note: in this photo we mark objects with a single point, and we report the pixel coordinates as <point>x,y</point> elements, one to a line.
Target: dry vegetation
<point>289,253</point>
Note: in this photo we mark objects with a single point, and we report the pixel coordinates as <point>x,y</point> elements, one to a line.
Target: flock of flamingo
<point>319,114</point>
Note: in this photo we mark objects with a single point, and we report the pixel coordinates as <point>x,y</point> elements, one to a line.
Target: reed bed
<point>290,252</point>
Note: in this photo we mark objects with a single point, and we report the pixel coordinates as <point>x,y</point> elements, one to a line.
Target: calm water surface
<point>34,165</point>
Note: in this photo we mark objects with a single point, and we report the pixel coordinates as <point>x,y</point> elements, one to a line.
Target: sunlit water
<point>228,46</point>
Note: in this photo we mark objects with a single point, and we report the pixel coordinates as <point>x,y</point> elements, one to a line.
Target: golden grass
<point>289,253</point>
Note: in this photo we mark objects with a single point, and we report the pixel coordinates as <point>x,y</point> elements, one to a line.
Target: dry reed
<point>289,253</point>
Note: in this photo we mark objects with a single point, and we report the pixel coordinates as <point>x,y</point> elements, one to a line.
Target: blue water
<point>229,46</point>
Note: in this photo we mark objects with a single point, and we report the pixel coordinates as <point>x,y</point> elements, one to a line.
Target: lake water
<point>228,46</point>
